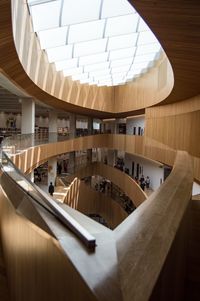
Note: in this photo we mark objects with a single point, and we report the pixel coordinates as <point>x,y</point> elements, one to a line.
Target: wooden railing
<point>32,157</point>
<point>87,200</point>
<point>145,238</point>
<point>122,180</point>
<point>142,259</point>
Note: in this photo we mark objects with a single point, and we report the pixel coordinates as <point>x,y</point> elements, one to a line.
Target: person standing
<point>51,188</point>
<point>147,182</point>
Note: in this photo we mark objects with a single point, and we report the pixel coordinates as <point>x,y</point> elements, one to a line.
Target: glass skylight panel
<point>113,8</point>
<point>104,72</point>
<point>144,49</point>
<point>135,71</point>
<point>76,11</point>
<point>94,41</point>
<point>142,65</point>
<point>45,15</point>
<point>119,76</point>
<point>121,69</point>
<point>86,31</point>
<point>123,41</point>
<point>72,71</point>
<point>142,26</point>
<point>91,47</point>
<point>92,59</point>
<point>132,73</point>
<point>96,67</point>
<point>122,62</point>
<point>146,37</point>
<point>144,58</point>
<point>53,37</point>
<point>104,78</point>
<point>81,76</point>
<point>66,64</point>
<point>121,25</point>
<point>59,53</point>
<point>122,53</point>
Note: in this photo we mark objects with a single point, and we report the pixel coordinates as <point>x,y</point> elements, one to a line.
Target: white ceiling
<point>99,42</point>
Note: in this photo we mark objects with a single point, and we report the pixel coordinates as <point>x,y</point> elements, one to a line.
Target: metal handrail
<point>40,197</point>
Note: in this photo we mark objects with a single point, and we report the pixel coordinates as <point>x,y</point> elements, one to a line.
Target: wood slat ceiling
<point>176,23</point>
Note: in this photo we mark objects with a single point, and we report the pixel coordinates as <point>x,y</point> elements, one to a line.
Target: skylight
<point>95,42</point>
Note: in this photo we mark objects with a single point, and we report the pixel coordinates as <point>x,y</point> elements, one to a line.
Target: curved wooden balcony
<point>136,261</point>
<point>122,180</point>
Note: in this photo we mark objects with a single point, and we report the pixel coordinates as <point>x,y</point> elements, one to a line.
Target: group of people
<point>143,182</point>
<point>62,166</point>
<point>103,186</point>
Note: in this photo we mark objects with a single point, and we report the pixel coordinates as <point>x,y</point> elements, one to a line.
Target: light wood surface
<point>40,79</point>
<point>119,178</point>
<point>88,201</point>
<point>32,157</point>
<point>127,264</point>
<point>176,25</point>
<point>145,237</point>
<point>176,125</point>
<point>41,266</point>
<point>147,146</point>
<point>148,90</point>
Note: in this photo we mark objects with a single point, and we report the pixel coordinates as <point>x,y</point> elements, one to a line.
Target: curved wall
<point>140,145</point>
<point>49,86</point>
<point>122,180</point>
<point>88,201</point>
<point>32,157</point>
<point>175,126</point>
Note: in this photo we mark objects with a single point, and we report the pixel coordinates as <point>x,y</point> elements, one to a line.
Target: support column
<point>115,127</point>
<point>89,156</point>
<point>28,116</point>
<point>52,170</point>
<point>90,132</point>
<point>90,126</point>
<point>112,156</point>
<point>53,133</point>
<point>102,127</point>
<point>72,157</point>
<point>28,124</point>
<point>72,126</point>
<point>53,130</point>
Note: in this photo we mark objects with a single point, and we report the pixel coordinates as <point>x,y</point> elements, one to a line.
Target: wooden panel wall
<point>152,228</point>
<point>146,146</point>
<point>148,90</point>
<point>37,267</point>
<point>142,242</point>
<point>32,157</point>
<point>175,127</point>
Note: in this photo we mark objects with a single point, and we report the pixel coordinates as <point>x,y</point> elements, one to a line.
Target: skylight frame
<point>102,45</point>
